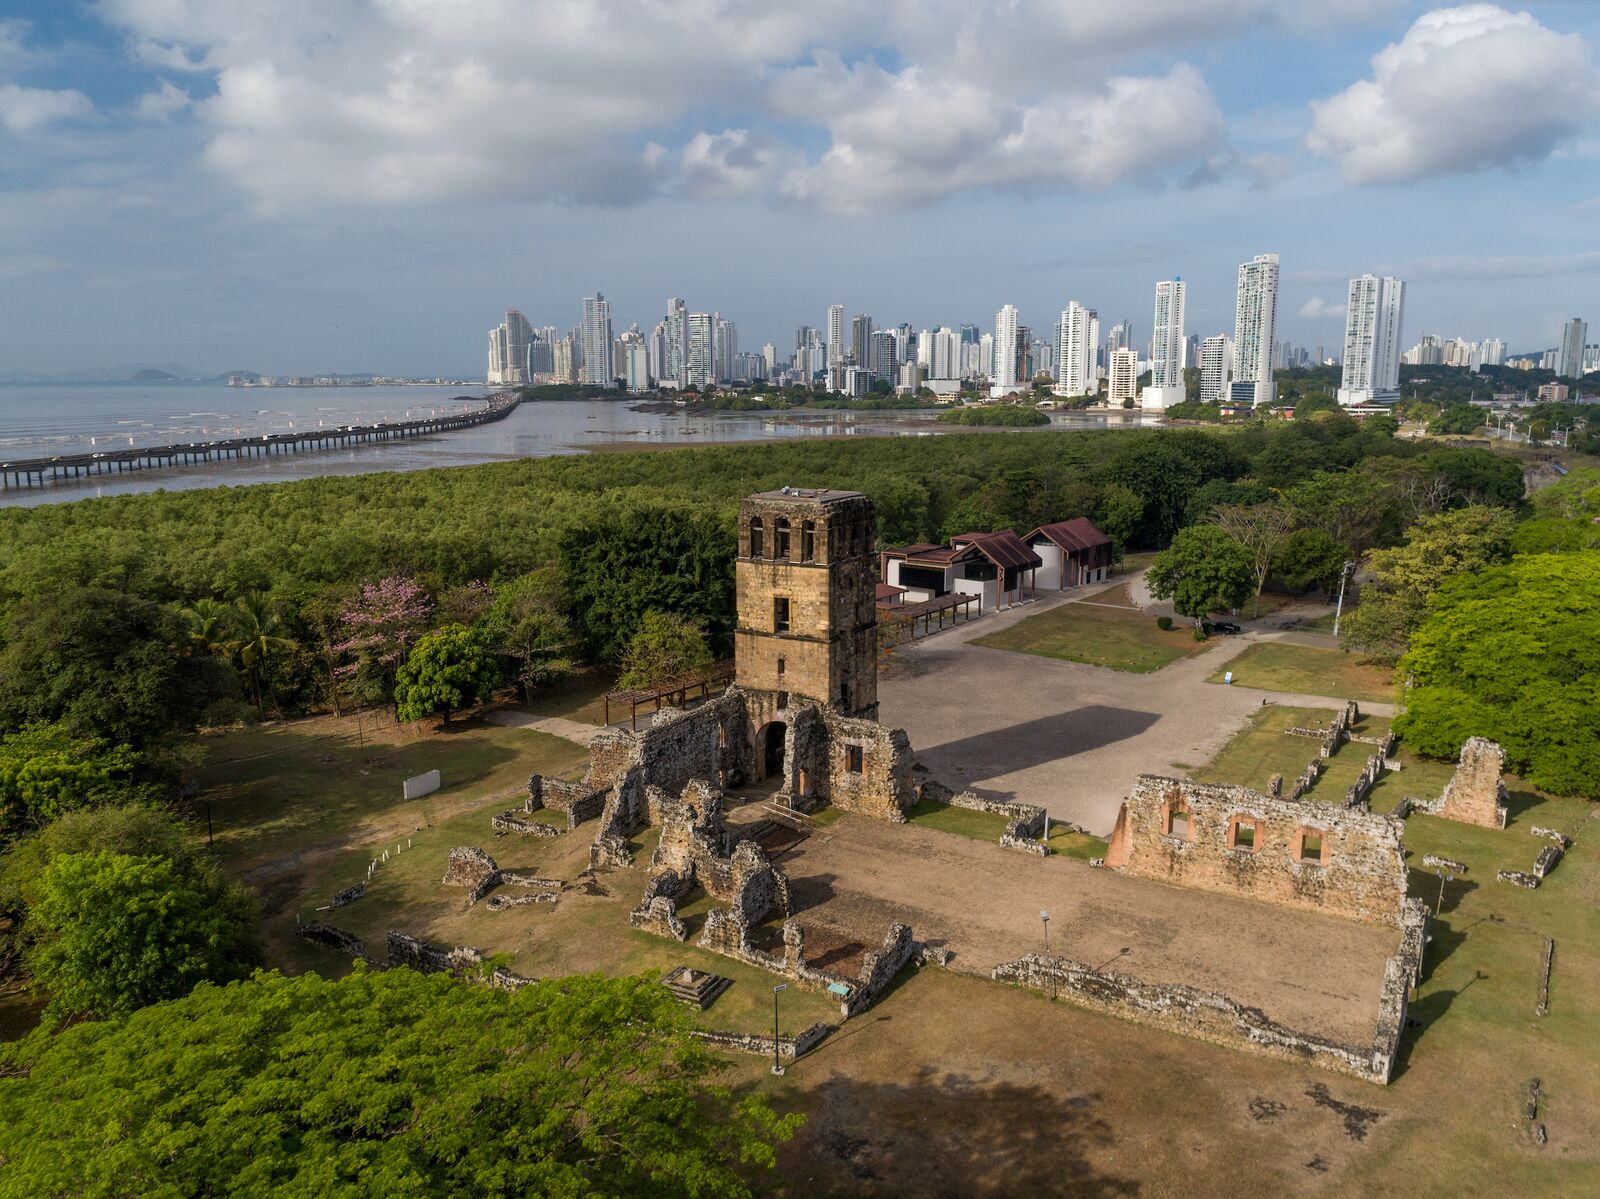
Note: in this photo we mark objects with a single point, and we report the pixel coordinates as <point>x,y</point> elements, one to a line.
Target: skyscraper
<point>946,361</point>
<point>1166,348</point>
<point>835,334</point>
<point>1492,352</point>
<point>509,351</point>
<point>1075,353</point>
<point>1004,376</point>
<point>1216,364</point>
<point>1569,354</point>
<point>882,354</point>
<point>860,338</point>
<point>597,341</point>
<point>676,371</point>
<point>727,350</point>
<point>1254,328</point>
<point>1372,341</point>
<point>700,365</point>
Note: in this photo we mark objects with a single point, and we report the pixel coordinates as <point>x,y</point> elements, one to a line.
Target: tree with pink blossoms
<point>377,628</point>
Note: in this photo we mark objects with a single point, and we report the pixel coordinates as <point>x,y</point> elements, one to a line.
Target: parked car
<point>1221,626</point>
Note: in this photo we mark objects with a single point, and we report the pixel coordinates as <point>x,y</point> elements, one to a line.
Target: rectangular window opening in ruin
<point>780,666</point>
<point>780,614</point>
<point>1244,835</point>
<point>808,542</point>
<point>780,538</point>
<point>1311,846</point>
<point>854,759</point>
<point>783,700</point>
<point>1178,820</point>
<point>756,529</point>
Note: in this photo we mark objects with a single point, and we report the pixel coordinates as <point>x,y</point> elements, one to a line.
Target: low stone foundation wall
<point>473,869</point>
<point>348,895</point>
<point>516,821</point>
<point>1208,1016</point>
<point>1026,820</point>
<point>408,951</point>
<point>334,938</point>
<point>1518,878</point>
<point>1356,796</point>
<point>789,1048</point>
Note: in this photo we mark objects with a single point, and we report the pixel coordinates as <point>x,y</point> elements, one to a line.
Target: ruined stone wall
<point>1026,821</point>
<point>334,938</point>
<point>1208,1016</point>
<point>580,801</point>
<point>1361,875</point>
<point>789,1048</point>
<point>473,869</point>
<point>1475,793</point>
<point>883,787</point>
<point>879,968</point>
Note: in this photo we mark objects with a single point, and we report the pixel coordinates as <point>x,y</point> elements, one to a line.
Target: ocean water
<point>39,421</point>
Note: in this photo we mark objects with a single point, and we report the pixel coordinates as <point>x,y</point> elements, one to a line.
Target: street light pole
<point>777,1064</point>
<point>1044,919</point>
<point>1338,612</point>
<point>1438,908</point>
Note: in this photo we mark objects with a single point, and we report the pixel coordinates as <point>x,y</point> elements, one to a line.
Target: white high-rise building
<point>597,341</point>
<point>1166,348</point>
<point>946,360</point>
<point>700,366</point>
<point>1372,350</point>
<point>835,335</point>
<point>1216,365</point>
<point>1492,352</point>
<point>1123,381</point>
<point>925,350</point>
<point>1569,354</point>
<point>986,355</point>
<point>1078,335</point>
<point>727,350</point>
<point>1003,372</point>
<point>769,355</point>
<point>1254,328</point>
<point>636,365</point>
<point>509,343</point>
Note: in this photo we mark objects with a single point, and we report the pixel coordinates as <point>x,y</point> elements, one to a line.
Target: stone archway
<point>770,748</point>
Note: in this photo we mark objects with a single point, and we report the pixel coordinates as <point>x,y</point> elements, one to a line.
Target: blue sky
<point>322,185</point>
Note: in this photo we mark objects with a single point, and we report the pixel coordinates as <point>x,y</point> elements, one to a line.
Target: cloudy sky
<point>321,185</point>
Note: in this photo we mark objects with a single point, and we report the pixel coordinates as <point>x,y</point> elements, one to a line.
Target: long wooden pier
<point>40,472</point>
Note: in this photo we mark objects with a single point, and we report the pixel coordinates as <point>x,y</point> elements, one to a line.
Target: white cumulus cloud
<point>26,108</point>
<point>162,103</point>
<point>1317,309</point>
<point>1467,89</point>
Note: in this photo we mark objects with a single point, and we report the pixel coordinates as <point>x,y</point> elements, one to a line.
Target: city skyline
<point>198,185</point>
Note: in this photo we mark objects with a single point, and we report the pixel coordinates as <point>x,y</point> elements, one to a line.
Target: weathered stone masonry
<point>1219,837</point>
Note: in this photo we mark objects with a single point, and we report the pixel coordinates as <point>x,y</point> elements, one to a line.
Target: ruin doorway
<point>770,745</point>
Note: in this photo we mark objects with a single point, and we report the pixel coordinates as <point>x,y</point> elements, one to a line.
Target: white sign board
<point>422,784</point>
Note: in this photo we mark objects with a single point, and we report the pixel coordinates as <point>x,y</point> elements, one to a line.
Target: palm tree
<point>208,621</point>
<point>258,632</point>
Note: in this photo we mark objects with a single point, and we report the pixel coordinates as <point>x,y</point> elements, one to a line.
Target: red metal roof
<point>889,591</point>
<point>1005,549</point>
<point>911,551</point>
<point>1075,534</point>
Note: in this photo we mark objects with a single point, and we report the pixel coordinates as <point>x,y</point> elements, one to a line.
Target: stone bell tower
<point>807,620</point>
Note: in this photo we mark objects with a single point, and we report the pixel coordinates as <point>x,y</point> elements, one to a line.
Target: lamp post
<point>1044,919</point>
<point>1438,908</point>
<point>1338,611</point>
<point>777,1064</point>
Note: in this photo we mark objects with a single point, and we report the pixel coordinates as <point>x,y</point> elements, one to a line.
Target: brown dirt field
<point>1313,973</point>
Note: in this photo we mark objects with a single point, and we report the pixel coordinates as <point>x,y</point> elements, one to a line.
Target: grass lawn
<point>1262,748</point>
<point>1115,637</point>
<point>1418,777</point>
<point>964,822</point>
<point>1075,845</point>
<point>286,788</point>
<point>1307,670</point>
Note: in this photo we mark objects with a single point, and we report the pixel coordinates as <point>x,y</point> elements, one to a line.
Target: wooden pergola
<point>956,604</point>
<point>674,692</point>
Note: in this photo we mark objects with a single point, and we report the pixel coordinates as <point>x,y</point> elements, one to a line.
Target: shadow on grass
<point>1424,885</point>
<point>1520,802</point>
<point>947,1134</point>
<point>1426,1012</point>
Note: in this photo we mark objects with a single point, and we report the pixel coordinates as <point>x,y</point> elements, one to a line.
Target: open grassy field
<point>964,822</point>
<point>1308,670</point>
<point>1262,748</point>
<point>1106,630</point>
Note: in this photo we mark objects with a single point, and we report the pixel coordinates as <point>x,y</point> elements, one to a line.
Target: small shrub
<point>1163,623</point>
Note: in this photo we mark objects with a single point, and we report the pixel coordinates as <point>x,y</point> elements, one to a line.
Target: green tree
<point>209,624</point>
<point>527,626</point>
<point>447,669</point>
<point>1263,530</point>
<point>112,932</point>
<point>1510,653</point>
<point>1311,556</point>
<point>1119,514</point>
<point>643,560</point>
<point>1457,419</point>
<point>46,770</point>
<point>389,1082</point>
<point>666,647</point>
<point>1478,476</point>
<point>1203,570</point>
<point>258,632</point>
<point>1437,549</point>
<point>107,665</point>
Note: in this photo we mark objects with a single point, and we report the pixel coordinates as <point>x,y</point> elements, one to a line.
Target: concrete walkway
<point>1067,736</point>
<point>556,726</point>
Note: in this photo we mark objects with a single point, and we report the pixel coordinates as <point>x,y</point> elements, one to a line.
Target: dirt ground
<point>850,881</point>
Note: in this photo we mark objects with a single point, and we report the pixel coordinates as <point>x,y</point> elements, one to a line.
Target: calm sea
<point>38,421</point>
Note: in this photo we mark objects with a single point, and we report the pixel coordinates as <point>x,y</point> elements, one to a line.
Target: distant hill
<point>150,375</point>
